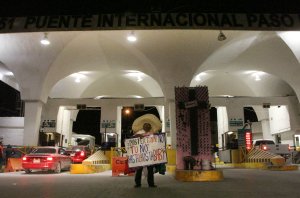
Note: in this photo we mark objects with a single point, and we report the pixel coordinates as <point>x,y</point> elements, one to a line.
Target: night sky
<point>88,122</point>
<point>70,7</point>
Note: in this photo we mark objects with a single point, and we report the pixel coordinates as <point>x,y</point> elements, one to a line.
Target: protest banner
<point>146,151</point>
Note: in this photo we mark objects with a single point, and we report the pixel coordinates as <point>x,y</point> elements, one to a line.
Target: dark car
<point>46,158</point>
<point>79,153</point>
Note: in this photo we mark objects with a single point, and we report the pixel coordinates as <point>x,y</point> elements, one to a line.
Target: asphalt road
<point>240,183</point>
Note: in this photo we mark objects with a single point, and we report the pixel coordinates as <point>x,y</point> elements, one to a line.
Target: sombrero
<point>147,118</point>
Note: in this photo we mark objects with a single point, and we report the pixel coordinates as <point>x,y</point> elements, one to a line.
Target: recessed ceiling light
<point>45,40</point>
<point>136,74</point>
<point>9,74</point>
<point>221,36</point>
<point>77,80</point>
<point>257,78</point>
<point>98,97</point>
<point>131,37</point>
<point>198,77</point>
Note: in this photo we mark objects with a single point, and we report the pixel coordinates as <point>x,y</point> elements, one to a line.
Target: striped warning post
<point>96,163</point>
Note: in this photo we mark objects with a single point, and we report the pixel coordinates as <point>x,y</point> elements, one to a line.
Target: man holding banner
<point>147,148</point>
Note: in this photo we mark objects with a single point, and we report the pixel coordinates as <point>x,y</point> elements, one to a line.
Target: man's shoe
<point>137,185</point>
<point>152,186</point>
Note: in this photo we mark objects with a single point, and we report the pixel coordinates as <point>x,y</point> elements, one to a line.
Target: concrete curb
<point>199,175</point>
<point>89,169</point>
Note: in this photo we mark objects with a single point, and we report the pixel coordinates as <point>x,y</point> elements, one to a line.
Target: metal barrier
<point>259,156</point>
<point>13,165</point>
<point>97,158</point>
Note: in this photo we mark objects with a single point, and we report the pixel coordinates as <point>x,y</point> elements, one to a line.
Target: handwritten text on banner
<point>146,151</point>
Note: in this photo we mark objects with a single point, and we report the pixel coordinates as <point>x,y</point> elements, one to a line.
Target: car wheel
<point>58,168</point>
<point>27,171</point>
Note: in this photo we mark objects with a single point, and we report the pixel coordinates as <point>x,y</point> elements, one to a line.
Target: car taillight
<point>264,148</point>
<point>24,158</point>
<point>82,153</point>
<point>49,158</point>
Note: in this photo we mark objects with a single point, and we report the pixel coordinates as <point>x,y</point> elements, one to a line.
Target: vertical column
<point>172,117</point>
<point>222,124</point>
<point>32,120</point>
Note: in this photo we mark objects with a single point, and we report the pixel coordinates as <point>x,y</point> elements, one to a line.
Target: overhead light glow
<point>84,72</point>
<point>9,74</point>
<point>102,96</point>
<point>77,80</point>
<point>131,37</point>
<point>134,96</point>
<point>127,111</point>
<point>136,74</point>
<point>78,77</point>
<point>257,77</point>
<point>227,96</point>
<point>45,40</point>
<point>198,77</point>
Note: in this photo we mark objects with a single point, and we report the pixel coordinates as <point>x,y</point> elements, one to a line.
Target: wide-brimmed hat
<point>147,118</point>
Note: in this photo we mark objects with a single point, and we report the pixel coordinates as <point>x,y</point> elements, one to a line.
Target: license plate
<point>72,154</point>
<point>36,160</point>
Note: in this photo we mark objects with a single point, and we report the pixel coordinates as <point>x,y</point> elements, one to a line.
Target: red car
<point>46,158</point>
<point>79,153</point>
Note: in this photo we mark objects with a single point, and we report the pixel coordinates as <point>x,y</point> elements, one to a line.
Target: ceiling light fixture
<point>45,40</point>
<point>221,36</point>
<point>9,74</point>
<point>257,77</point>
<point>198,77</point>
<point>131,37</point>
<point>77,80</point>
<point>136,74</point>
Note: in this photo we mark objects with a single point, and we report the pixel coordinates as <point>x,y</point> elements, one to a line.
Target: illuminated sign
<point>248,140</point>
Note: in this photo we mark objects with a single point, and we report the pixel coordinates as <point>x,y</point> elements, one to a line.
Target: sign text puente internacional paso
<point>151,21</point>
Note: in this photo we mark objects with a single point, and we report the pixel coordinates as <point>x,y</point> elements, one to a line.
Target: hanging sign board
<point>146,151</point>
<point>159,20</point>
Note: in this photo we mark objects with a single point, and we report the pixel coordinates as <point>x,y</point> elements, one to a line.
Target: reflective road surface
<point>241,183</point>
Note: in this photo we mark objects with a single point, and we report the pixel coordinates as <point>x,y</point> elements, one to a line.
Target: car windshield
<point>264,142</point>
<point>44,150</point>
<point>76,148</point>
